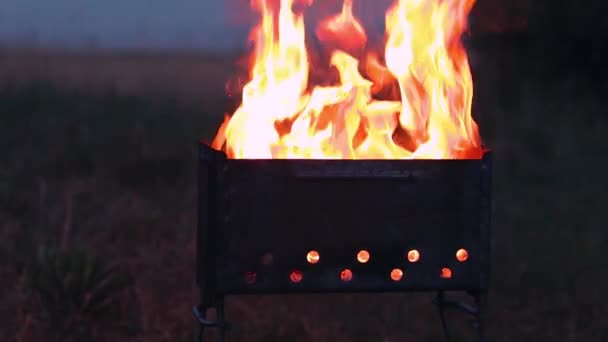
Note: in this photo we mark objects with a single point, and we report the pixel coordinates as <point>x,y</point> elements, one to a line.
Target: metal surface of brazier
<point>258,219</point>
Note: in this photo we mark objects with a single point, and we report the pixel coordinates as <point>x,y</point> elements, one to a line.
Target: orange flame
<point>343,31</point>
<point>417,105</point>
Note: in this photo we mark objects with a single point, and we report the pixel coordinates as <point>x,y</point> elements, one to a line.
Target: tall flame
<point>417,105</point>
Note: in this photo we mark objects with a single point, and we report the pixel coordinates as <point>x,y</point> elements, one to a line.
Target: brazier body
<point>258,219</point>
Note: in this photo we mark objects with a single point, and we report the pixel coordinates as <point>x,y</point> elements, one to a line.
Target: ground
<point>99,154</point>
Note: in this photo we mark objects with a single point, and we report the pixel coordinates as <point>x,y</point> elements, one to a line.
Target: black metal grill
<point>423,224</point>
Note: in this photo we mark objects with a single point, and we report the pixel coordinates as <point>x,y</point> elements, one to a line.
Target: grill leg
<point>441,306</point>
<point>221,331</point>
<point>476,310</point>
<point>202,322</point>
<point>480,302</point>
<point>200,333</point>
<point>219,323</point>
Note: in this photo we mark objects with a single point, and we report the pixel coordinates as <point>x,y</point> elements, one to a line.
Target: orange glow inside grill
<point>250,277</point>
<point>363,256</point>
<point>396,274</point>
<point>346,275</point>
<point>296,276</point>
<point>312,257</point>
<point>462,255</point>
<point>413,255</point>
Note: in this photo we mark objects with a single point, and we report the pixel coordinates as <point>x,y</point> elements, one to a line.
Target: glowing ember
<point>312,257</point>
<point>462,255</point>
<point>363,256</point>
<point>346,275</point>
<point>396,274</point>
<point>413,255</point>
<point>296,276</point>
<point>413,103</point>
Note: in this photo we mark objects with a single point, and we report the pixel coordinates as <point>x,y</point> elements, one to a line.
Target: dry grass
<point>190,76</point>
<point>130,156</point>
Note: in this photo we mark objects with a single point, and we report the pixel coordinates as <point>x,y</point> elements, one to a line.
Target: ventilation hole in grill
<point>462,255</point>
<point>363,256</point>
<point>446,273</point>
<point>250,277</point>
<point>396,274</point>
<point>346,275</point>
<point>312,257</point>
<point>267,259</point>
<point>296,276</point>
<point>413,255</point>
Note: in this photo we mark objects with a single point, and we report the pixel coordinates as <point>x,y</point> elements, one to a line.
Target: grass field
<point>98,154</point>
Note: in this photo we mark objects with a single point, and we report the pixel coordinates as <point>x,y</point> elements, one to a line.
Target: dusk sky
<point>119,24</point>
<point>149,24</point>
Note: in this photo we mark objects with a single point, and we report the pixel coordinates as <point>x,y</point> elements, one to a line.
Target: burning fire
<point>415,103</point>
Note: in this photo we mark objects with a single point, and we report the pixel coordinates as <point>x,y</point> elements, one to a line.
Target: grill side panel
<point>209,163</point>
<point>272,212</point>
<point>485,220</point>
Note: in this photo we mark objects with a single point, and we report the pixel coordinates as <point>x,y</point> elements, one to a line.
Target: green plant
<point>79,291</point>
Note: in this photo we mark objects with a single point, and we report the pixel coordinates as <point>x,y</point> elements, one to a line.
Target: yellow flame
<point>429,116</point>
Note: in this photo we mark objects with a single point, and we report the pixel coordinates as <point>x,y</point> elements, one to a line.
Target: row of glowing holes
<point>313,257</point>
<point>347,275</point>
<point>363,256</point>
